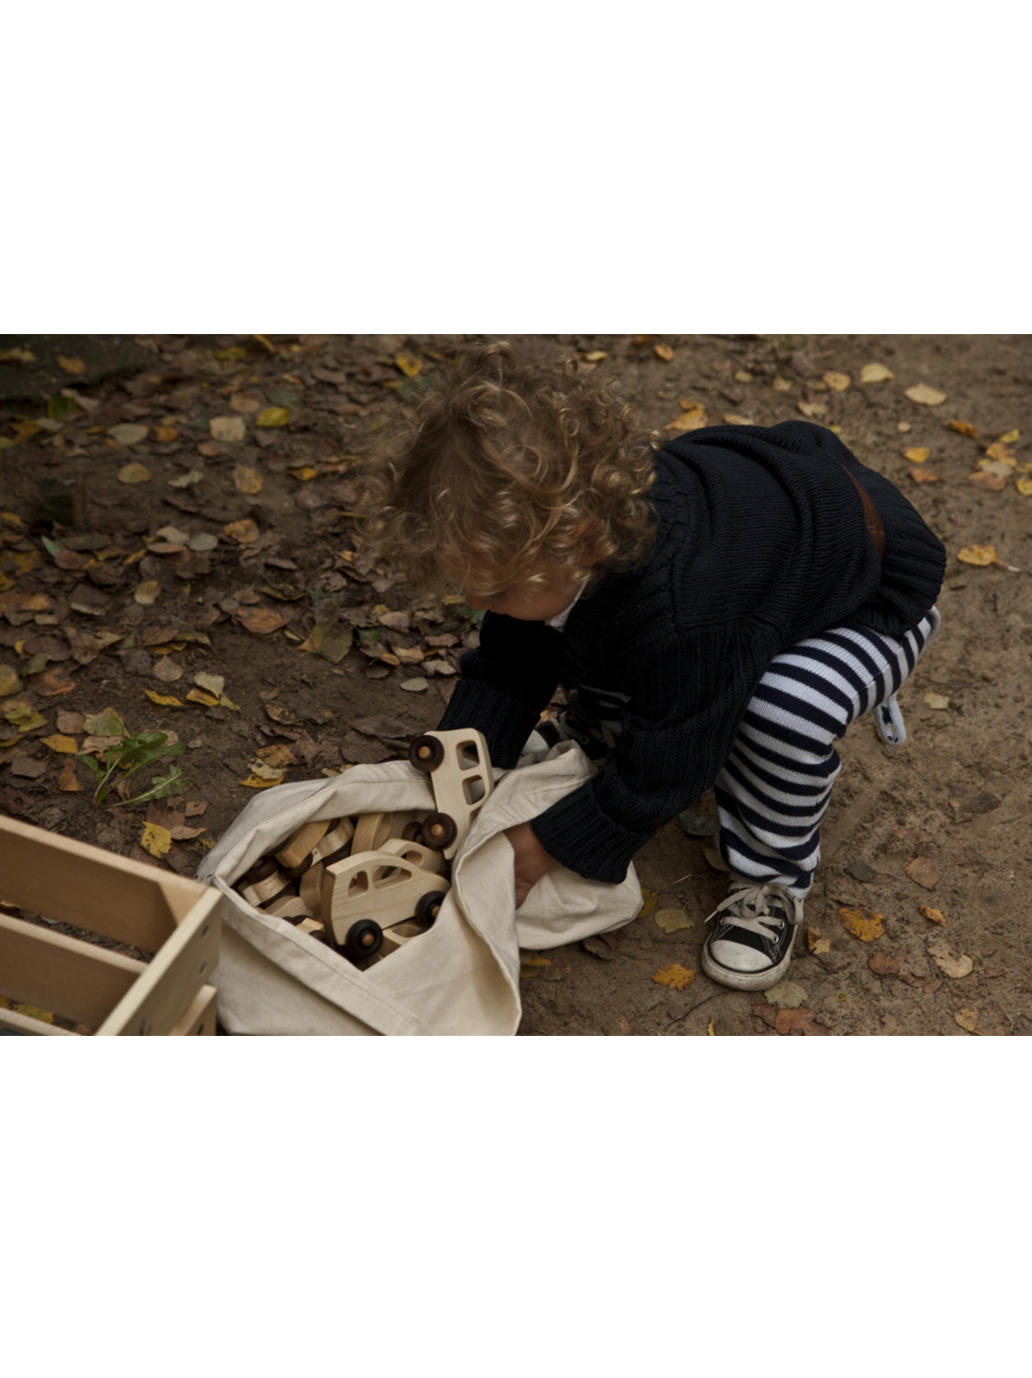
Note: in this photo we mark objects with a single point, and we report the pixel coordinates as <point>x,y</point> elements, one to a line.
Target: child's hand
<point>531,860</point>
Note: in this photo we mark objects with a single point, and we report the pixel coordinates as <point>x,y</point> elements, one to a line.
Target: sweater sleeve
<point>687,699</point>
<point>506,683</point>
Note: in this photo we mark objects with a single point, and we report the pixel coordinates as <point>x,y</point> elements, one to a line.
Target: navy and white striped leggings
<point>774,788</point>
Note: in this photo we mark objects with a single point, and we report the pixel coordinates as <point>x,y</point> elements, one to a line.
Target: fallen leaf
<point>28,768</point>
<point>1024,487</point>
<point>743,375</point>
<point>187,480</point>
<point>924,476</point>
<point>213,683</point>
<point>70,722</point>
<point>65,746</point>
<point>9,681</point>
<point>788,994</point>
<point>710,1028</point>
<point>256,782</point>
<point>817,942</point>
<point>181,833</point>
<point>105,724</point>
<point>244,532</point>
<point>994,483</point>
<point>917,454</point>
<point>936,700</point>
<point>155,839</point>
<point>949,963</point>
<point>71,365</point>
<point>164,435</point>
<point>147,593</point>
<point>925,396</point>
<point>68,782</point>
<point>812,409</point>
<point>199,696</point>
<point>203,540</point>
<point>649,900</point>
<point>863,923</point>
<point>670,920</point>
<point>1009,438</point>
<point>227,429</point>
<point>415,686</point>
<point>409,366</point>
<point>715,860</point>
<point>246,479</point>
<point>989,1023</point>
<point>163,700</point>
<point>838,382</point>
<point>875,373</point>
<point>128,433</point>
<point>332,643</point>
<point>304,473</point>
<point>963,428</point>
<point>168,670</point>
<point>134,473</point>
<point>273,416</point>
<point>882,964</point>
<point>261,621</point>
<point>978,555</point>
<point>265,771</point>
<point>693,420</point>
<point>382,726</point>
<point>664,352</point>
<point>34,1012</point>
<point>934,915</point>
<point>798,1022</point>
<point>675,976</point>
<point>595,356</point>
<point>924,871</point>
<point>277,756</point>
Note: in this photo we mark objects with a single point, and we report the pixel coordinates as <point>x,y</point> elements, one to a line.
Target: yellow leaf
<point>994,483</point>
<point>934,915</point>
<point>246,479</point>
<point>274,416</point>
<point>670,920</point>
<point>61,744</point>
<point>256,782</point>
<point>199,696</point>
<point>675,976</point>
<point>534,959</point>
<point>9,681</point>
<point>163,700</point>
<point>164,435</point>
<point>409,366</point>
<point>595,356</point>
<point>155,839</point>
<point>863,923</point>
<point>71,365</point>
<point>838,382</point>
<point>664,352</point>
<point>1003,454</point>
<point>917,455</point>
<point>926,396</point>
<point>978,555</point>
<point>649,899</point>
<point>875,373</point>
<point>134,473</point>
<point>812,409</point>
<point>817,942</point>
<point>1009,438</point>
<point>692,420</point>
<point>924,476</point>
<point>964,428</point>
<point>34,1012</point>
<point>304,473</point>
<point>1024,486</point>
<point>244,532</point>
<point>710,1029</point>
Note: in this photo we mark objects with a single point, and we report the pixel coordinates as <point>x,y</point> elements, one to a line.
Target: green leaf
<point>61,408</point>
<point>51,547</point>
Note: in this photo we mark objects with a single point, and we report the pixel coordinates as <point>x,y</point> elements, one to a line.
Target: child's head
<point>513,475</point>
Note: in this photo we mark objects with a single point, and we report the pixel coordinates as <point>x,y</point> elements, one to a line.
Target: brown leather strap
<point>873,521</point>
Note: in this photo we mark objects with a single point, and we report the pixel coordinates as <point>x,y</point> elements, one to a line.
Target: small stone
<point>861,871</point>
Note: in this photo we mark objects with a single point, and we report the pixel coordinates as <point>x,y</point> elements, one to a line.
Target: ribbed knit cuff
<point>579,835</point>
<point>505,722</point>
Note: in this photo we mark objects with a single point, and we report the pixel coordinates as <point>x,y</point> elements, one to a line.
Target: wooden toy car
<point>263,882</point>
<point>366,894</point>
<point>459,767</point>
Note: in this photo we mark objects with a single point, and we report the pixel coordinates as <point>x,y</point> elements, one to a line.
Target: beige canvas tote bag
<point>459,977</point>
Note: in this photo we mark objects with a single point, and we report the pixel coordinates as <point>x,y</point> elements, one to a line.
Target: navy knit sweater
<point>761,542</point>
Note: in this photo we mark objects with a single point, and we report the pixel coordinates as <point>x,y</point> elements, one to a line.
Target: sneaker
<point>751,944</point>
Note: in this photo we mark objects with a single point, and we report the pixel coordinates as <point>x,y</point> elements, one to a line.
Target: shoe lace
<point>749,907</point>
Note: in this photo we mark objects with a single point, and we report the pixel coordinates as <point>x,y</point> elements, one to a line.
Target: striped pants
<point>775,786</point>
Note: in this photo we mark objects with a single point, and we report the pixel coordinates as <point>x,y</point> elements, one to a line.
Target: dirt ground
<point>216,537</point>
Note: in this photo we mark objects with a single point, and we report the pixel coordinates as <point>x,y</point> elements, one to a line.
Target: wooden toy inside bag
<point>366,885</point>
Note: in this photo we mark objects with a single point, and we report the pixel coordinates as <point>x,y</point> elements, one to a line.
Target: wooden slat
<point>168,985</point>
<point>200,1017</point>
<point>91,888</point>
<point>73,979</point>
<point>21,1023</point>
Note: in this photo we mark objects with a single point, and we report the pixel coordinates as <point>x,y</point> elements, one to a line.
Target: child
<point>718,612</point>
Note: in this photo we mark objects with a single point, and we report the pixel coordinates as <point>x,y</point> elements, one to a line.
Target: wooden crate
<point>176,919</point>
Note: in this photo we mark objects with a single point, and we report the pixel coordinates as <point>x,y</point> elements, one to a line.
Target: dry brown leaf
<point>817,942</point>
<point>925,396</point>
<point>955,966</point>
<point>988,1022</point>
<point>244,532</point>
<point>994,483</point>
<point>260,621</point>
<point>675,976</point>
<point>863,923</point>
<point>246,479</point>
<point>134,473</point>
<point>875,373</point>
<point>924,871</point>
<point>52,682</point>
<point>164,435</point>
<point>68,782</point>
<point>147,593</point>
<point>838,382</point>
<point>798,1022</point>
<point>937,701</point>
<point>228,429</point>
<point>812,409</point>
<point>882,964</point>
<point>693,420</point>
<point>934,915</point>
<point>74,366</point>
<point>963,428</point>
<point>924,476</point>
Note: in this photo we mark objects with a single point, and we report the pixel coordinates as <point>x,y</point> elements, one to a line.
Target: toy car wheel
<point>426,753</point>
<point>364,938</point>
<point>410,832</point>
<point>439,830</point>
<point>262,869</point>
<point>428,907</point>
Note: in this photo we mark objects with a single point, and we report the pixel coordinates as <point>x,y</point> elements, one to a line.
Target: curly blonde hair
<point>508,469</point>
